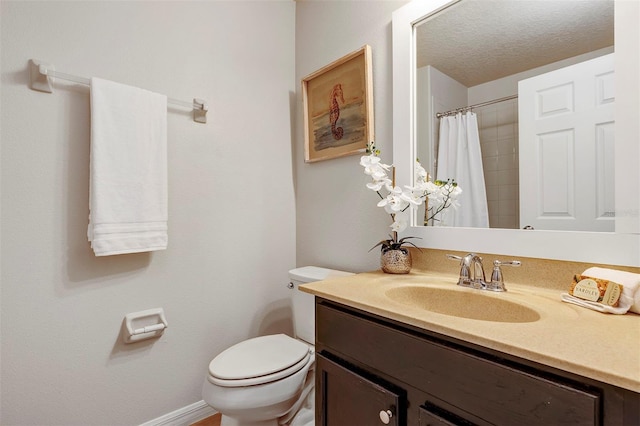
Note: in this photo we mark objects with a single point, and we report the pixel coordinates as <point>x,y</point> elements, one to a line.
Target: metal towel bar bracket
<point>41,74</point>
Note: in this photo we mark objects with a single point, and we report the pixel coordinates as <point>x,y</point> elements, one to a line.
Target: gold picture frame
<point>338,107</point>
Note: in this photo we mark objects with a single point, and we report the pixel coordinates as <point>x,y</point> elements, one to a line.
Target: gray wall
<point>231,204</point>
<point>337,218</point>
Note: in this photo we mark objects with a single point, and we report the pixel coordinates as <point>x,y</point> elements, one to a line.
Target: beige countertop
<point>599,346</point>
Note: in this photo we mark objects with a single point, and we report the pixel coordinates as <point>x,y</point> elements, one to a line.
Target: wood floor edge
<point>209,421</point>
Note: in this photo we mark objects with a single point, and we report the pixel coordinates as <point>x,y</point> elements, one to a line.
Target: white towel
<point>128,173</point>
<point>629,299</point>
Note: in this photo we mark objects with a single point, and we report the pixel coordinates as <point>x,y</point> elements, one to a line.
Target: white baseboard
<point>184,416</point>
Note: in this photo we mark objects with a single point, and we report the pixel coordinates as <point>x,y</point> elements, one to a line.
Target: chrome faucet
<point>472,272</point>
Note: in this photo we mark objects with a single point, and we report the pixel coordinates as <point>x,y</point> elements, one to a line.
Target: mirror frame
<point>615,248</point>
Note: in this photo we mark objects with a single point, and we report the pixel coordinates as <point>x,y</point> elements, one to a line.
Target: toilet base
<point>305,417</point>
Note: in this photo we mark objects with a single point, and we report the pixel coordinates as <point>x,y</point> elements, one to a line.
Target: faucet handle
<point>465,272</point>
<point>499,263</point>
<point>467,268</point>
<point>464,260</point>
<point>497,280</point>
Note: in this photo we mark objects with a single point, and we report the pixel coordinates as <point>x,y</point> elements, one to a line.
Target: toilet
<point>269,380</point>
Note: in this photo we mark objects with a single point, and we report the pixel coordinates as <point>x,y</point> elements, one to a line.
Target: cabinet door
<point>346,398</point>
<point>430,415</point>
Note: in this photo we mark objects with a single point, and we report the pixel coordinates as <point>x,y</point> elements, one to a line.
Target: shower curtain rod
<point>40,73</point>
<point>470,107</point>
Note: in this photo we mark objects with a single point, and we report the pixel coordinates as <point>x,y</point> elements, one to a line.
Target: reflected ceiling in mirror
<point>476,41</point>
<point>487,47</point>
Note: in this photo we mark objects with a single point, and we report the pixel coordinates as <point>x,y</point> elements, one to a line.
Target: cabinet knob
<point>385,416</point>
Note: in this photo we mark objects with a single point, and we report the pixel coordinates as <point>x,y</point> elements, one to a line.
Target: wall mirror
<point>557,49</point>
<point>421,29</point>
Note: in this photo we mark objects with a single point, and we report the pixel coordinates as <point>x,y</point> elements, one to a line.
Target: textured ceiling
<point>476,41</point>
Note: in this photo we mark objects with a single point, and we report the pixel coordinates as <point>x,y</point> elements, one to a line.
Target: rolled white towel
<point>596,306</point>
<point>629,299</point>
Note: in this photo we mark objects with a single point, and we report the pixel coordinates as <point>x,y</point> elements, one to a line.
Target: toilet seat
<point>259,360</point>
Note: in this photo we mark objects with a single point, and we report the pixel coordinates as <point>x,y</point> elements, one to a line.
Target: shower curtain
<point>460,158</point>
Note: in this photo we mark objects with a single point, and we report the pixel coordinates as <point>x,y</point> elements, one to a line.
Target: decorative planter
<point>395,261</point>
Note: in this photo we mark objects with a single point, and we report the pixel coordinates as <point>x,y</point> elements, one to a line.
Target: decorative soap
<point>596,290</point>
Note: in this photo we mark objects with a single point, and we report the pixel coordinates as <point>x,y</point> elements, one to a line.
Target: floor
<point>209,421</point>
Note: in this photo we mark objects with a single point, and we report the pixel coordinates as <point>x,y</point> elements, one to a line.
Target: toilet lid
<point>260,357</point>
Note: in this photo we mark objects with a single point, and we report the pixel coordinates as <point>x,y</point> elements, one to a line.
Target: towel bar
<point>40,72</point>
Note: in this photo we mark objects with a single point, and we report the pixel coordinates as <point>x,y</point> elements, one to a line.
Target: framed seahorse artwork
<point>338,107</point>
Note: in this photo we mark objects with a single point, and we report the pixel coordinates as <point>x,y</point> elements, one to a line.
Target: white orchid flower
<point>420,173</point>
<point>400,222</point>
<point>394,203</point>
<point>398,201</point>
<point>367,160</point>
<point>377,185</point>
<point>431,188</point>
<point>412,196</point>
<point>373,167</point>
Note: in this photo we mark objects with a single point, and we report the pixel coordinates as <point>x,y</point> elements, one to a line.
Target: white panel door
<point>566,121</point>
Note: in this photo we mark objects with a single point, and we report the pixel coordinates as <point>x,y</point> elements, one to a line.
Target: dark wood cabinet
<point>430,415</point>
<point>349,398</point>
<point>368,364</point>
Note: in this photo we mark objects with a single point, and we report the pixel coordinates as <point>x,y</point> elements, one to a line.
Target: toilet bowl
<point>272,380</point>
<point>269,380</point>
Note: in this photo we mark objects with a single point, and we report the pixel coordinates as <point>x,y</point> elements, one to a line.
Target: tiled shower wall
<point>498,128</point>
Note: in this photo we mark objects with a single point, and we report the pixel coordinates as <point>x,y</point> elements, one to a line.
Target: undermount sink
<point>463,303</point>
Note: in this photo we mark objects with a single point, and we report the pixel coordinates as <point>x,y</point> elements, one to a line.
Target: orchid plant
<point>437,196</point>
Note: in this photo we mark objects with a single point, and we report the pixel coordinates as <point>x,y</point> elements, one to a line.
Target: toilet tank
<point>304,314</point>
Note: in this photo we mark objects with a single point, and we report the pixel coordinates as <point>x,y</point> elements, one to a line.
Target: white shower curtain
<point>460,158</point>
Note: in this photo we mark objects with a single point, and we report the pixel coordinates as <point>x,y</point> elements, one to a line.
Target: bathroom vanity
<point>385,356</point>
